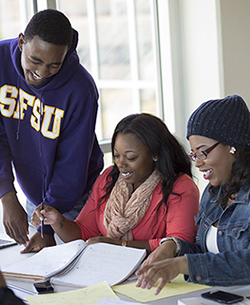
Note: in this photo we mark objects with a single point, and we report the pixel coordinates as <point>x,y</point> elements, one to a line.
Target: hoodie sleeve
<point>6,173</point>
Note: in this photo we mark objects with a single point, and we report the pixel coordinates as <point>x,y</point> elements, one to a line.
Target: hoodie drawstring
<point>19,111</point>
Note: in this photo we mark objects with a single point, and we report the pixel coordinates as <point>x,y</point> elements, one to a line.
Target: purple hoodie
<point>55,155</point>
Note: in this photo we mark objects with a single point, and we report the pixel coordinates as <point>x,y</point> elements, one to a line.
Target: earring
<point>155,159</point>
<point>232,150</point>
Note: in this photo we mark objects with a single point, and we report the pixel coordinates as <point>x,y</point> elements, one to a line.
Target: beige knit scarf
<point>125,208</point>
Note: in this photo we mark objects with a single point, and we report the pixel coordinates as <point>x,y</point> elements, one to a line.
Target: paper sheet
<point>43,264</point>
<point>21,293</point>
<point>86,296</point>
<point>109,301</point>
<point>176,287</point>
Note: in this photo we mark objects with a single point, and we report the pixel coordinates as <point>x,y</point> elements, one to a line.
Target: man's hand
<point>37,243</point>
<point>15,218</point>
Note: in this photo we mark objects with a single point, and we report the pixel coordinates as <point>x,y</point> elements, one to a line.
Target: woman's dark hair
<point>51,26</point>
<point>240,177</point>
<point>172,159</point>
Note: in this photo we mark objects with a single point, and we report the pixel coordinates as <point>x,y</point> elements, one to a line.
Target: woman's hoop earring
<point>232,150</point>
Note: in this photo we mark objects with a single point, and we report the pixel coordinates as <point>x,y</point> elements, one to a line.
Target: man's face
<point>40,59</point>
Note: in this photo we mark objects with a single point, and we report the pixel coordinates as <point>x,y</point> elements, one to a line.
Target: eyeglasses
<point>202,155</point>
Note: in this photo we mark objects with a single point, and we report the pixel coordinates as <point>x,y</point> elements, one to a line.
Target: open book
<point>79,264</point>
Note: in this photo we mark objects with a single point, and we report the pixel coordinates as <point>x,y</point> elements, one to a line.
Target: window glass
<point>77,12</point>
<point>112,39</point>
<point>117,46</point>
<point>147,97</point>
<point>14,15</point>
<point>145,39</point>
<point>115,104</point>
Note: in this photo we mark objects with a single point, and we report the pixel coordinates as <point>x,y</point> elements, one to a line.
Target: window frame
<point>162,49</point>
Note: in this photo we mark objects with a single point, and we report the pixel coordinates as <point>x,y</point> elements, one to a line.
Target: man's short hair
<point>51,26</point>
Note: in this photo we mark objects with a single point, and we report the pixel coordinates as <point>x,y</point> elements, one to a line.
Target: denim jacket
<point>231,266</point>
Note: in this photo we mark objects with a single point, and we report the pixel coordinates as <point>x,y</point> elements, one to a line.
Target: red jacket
<point>178,222</point>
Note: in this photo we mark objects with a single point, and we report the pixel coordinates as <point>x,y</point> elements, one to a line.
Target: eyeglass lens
<point>202,155</point>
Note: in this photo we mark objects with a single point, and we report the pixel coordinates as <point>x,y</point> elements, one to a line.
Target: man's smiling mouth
<point>36,76</point>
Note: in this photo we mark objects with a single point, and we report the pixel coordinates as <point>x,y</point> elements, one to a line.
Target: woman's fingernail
<point>156,292</point>
<point>143,284</point>
<point>149,286</point>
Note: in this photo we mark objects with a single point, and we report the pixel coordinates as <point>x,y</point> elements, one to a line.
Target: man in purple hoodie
<point>48,107</point>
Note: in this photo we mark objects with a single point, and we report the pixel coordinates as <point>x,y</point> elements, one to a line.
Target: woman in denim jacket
<point>219,135</point>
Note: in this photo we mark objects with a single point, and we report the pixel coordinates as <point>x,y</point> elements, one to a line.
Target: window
<point>14,15</point>
<point>118,45</point>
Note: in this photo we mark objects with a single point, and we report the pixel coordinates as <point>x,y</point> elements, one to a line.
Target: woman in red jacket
<point>148,193</point>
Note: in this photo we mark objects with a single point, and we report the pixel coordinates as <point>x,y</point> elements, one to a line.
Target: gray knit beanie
<point>226,121</point>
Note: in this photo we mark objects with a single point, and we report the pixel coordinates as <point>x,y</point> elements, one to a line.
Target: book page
<point>47,262</point>
<point>102,262</point>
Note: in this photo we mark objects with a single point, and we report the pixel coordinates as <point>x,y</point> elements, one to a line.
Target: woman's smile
<point>133,159</point>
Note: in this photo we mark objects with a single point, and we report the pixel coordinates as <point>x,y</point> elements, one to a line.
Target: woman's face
<point>132,159</point>
<point>217,167</point>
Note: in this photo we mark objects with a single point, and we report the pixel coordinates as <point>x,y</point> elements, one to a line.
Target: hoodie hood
<point>70,65</point>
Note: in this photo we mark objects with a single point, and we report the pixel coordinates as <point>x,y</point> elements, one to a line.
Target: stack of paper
<point>78,264</point>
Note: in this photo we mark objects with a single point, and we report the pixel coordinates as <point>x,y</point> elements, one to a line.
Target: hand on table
<point>165,270</point>
<point>103,239</point>
<point>37,243</point>
<point>15,218</point>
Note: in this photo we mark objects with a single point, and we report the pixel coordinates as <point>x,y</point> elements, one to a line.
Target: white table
<point>12,254</point>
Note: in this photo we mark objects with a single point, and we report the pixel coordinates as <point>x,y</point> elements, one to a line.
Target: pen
<point>42,221</point>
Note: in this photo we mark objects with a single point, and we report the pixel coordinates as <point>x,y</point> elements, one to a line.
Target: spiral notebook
<point>78,264</point>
